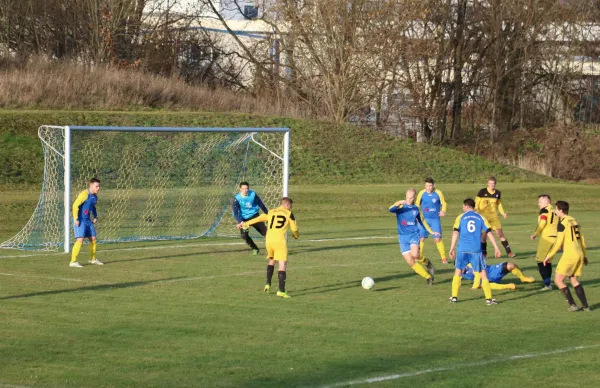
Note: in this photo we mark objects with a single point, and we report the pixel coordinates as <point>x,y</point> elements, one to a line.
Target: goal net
<point>157,183</point>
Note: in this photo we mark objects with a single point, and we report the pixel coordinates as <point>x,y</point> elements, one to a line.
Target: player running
<point>409,217</point>
<point>469,229</point>
<point>84,219</point>
<point>278,221</point>
<point>488,205</point>
<point>433,206</point>
<point>571,239</point>
<point>495,273</point>
<point>245,208</point>
<point>546,229</point>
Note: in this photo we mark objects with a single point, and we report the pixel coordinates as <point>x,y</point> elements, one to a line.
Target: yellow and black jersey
<point>488,204</point>
<point>547,222</point>
<point>278,220</point>
<point>570,238</point>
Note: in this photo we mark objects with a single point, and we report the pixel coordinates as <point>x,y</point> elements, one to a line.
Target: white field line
<point>49,278</point>
<point>458,366</point>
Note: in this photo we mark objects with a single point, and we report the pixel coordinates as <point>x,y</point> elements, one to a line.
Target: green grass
<point>320,152</point>
<point>194,315</point>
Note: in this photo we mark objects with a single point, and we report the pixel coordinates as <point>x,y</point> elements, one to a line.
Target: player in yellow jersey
<point>570,238</point>
<point>487,203</point>
<point>278,220</point>
<point>546,230</point>
<point>84,221</point>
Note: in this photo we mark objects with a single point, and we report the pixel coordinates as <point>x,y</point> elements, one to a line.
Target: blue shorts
<point>494,272</point>
<point>476,260</point>
<point>435,224</point>
<point>85,229</point>
<point>407,240</point>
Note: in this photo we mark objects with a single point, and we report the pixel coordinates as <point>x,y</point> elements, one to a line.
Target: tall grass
<point>69,85</point>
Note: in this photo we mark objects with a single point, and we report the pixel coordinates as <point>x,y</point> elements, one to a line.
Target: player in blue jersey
<point>495,273</point>
<point>84,219</point>
<point>433,206</point>
<point>409,218</point>
<point>469,228</point>
<point>245,207</point>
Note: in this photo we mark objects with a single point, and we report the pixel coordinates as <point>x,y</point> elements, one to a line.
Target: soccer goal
<point>157,183</point>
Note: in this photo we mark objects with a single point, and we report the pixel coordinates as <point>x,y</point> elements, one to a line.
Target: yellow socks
<point>76,249</point>
<point>421,271</point>
<point>93,250</point>
<point>497,286</point>
<point>487,289</point>
<point>422,251</point>
<point>442,249</point>
<point>517,272</point>
<point>455,285</point>
<point>476,280</point>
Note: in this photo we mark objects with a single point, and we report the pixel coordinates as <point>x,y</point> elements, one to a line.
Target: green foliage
<point>193,314</point>
<point>320,152</point>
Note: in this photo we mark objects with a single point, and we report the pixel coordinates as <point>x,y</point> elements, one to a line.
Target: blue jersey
<point>246,207</point>
<point>494,272</point>
<point>409,218</point>
<point>85,206</point>
<point>431,203</point>
<point>470,225</point>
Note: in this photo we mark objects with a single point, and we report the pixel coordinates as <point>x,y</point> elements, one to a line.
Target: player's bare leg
<point>580,293</point>
<point>282,277</point>
<point>559,280</point>
<point>412,259</point>
<point>270,271</point>
<point>504,243</point>
<point>75,253</point>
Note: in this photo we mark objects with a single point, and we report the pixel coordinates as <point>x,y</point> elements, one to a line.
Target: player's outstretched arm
<point>294,226</point>
<point>501,210</point>
<point>583,246</point>
<point>235,211</point>
<point>542,221</point>
<point>396,206</point>
<point>261,218</point>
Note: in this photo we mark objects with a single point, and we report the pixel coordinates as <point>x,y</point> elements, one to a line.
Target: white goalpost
<point>157,183</point>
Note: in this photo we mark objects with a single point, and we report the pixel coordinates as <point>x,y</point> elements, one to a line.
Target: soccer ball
<point>367,283</point>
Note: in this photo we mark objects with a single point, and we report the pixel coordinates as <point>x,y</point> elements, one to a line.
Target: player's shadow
<point>99,287</point>
<point>173,256</point>
<point>350,284</point>
<point>333,248</point>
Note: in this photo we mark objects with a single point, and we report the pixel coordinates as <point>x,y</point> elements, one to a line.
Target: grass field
<point>192,314</point>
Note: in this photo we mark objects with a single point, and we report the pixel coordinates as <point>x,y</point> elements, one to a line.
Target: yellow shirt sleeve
<point>419,197</point>
<point>541,225</point>
<point>262,218</point>
<point>486,223</point>
<point>81,198</point>
<point>500,208</point>
<point>442,200</point>
<point>582,242</point>
<point>560,238</point>
<point>423,221</point>
<point>457,222</point>
<point>294,226</point>
<point>477,204</point>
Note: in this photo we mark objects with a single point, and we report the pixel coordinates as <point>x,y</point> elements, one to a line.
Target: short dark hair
<point>429,180</point>
<point>93,180</point>
<point>469,202</point>
<point>563,206</point>
<point>286,200</point>
<point>244,184</point>
<point>545,196</point>
<point>492,178</point>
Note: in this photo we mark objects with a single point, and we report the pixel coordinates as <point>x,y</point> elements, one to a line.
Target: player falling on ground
<point>84,219</point>
<point>409,217</point>
<point>495,273</point>
<point>574,257</point>
<point>546,230</point>
<point>469,229</point>
<point>488,205</point>
<point>278,221</point>
<point>433,206</point>
<point>245,208</point>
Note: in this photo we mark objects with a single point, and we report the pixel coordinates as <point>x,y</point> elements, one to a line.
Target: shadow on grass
<point>351,246</point>
<point>192,254</point>
<point>100,287</point>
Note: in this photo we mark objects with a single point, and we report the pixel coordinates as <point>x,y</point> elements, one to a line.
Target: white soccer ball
<point>367,283</point>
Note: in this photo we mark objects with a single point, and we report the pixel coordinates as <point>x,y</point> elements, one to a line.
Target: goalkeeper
<point>246,205</point>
